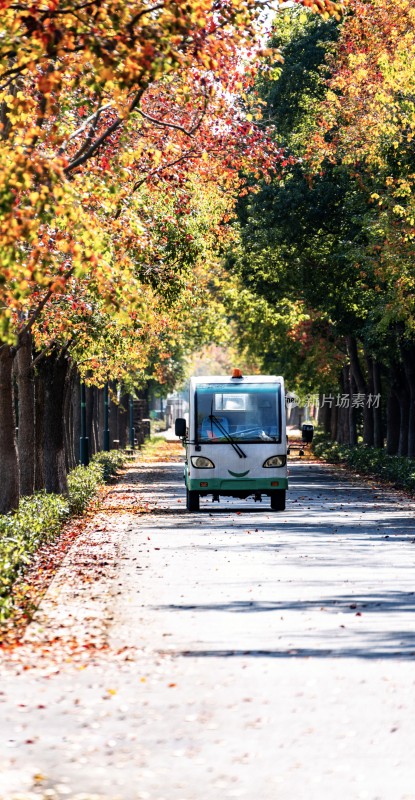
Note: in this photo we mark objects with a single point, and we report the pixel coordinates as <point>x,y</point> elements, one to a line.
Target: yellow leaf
<point>62,246</point>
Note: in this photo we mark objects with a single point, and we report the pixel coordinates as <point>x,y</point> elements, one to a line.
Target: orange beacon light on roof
<point>236,373</point>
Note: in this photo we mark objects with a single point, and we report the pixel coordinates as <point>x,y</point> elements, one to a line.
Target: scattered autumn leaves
<point>120,498</point>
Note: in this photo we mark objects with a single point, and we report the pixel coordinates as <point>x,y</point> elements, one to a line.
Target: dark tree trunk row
<point>393,417</point>
<point>40,421</point>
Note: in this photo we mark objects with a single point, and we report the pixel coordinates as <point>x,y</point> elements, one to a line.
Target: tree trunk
<point>404,426</point>
<point>404,416</point>
<point>113,415</point>
<point>393,415</point>
<point>408,360</point>
<point>9,462</point>
<point>334,419</point>
<point>76,415</point>
<point>342,409</point>
<point>55,370</point>
<point>39,432</point>
<point>68,422</point>
<point>95,422</point>
<point>361,388</point>
<point>350,386</point>
<point>124,420</point>
<point>100,403</point>
<point>378,432</point>
<point>90,403</point>
<point>324,414</point>
<point>26,415</point>
<point>71,419</point>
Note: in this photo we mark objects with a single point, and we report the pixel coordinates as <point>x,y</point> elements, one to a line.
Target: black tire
<point>192,500</point>
<point>278,500</point>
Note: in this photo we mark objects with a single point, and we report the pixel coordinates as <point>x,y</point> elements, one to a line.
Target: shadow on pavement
<point>389,601</point>
<point>306,652</point>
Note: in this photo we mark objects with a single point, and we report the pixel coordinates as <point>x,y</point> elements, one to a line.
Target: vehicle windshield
<point>246,413</point>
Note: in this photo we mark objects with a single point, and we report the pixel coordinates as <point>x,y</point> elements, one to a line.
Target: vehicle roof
<point>228,379</point>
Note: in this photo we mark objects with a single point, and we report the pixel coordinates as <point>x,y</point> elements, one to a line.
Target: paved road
<point>235,653</point>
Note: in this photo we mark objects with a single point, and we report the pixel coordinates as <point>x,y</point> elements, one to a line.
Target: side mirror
<point>180,427</point>
<point>307,431</point>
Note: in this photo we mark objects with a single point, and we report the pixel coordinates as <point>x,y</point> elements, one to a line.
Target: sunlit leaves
<point>110,114</point>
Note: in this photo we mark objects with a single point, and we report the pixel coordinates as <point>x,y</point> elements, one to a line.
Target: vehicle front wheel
<point>278,500</point>
<point>192,500</point>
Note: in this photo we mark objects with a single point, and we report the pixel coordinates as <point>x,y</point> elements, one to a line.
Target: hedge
<point>40,518</point>
<point>398,470</point>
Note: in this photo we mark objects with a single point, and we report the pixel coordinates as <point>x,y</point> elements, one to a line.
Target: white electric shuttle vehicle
<point>236,443</point>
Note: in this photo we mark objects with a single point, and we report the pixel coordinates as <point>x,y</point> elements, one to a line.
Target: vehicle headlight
<point>275,461</point>
<point>200,462</point>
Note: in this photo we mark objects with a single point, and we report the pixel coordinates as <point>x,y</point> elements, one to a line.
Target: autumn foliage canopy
<point>107,109</point>
<point>125,138</point>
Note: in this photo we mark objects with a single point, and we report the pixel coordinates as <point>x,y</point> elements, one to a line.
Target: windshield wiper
<point>227,436</point>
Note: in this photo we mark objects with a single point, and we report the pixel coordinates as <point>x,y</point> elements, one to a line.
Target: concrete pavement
<point>237,653</point>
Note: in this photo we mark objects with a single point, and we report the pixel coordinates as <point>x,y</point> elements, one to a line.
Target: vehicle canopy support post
<point>83,442</point>
<point>132,431</point>
<point>106,436</point>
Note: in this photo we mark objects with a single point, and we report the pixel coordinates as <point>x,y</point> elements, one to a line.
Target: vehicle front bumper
<point>236,484</point>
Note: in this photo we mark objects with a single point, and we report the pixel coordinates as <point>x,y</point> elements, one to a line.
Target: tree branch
<point>92,118</point>
<point>130,26</point>
<point>78,161</point>
<point>164,124</point>
<point>190,154</point>
<point>44,352</point>
<point>176,126</point>
<point>39,308</point>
